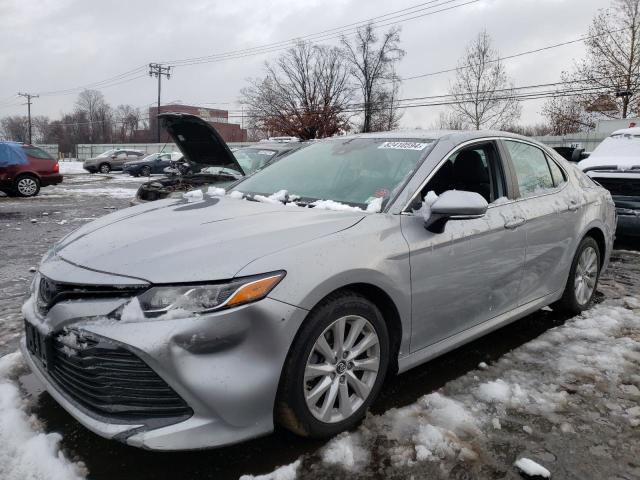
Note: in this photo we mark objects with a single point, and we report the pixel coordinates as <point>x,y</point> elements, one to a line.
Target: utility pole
<point>158,70</point>
<point>28,96</point>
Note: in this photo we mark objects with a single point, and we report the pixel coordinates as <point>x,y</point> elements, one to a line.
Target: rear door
<point>471,271</point>
<point>551,215</point>
<point>120,159</point>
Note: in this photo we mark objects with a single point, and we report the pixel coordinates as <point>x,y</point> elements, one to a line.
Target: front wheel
<point>104,168</point>
<point>335,368</point>
<point>27,186</point>
<point>583,278</point>
<point>146,171</point>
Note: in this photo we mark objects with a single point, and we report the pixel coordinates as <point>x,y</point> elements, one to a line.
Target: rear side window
<point>36,152</point>
<point>556,172</point>
<point>532,169</point>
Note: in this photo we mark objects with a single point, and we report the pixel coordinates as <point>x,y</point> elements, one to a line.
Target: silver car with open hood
<point>201,321</point>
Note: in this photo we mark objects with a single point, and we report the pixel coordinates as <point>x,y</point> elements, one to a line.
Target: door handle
<point>573,206</point>
<point>514,223</point>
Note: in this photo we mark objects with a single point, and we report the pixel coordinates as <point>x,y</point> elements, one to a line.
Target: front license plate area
<point>38,344</point>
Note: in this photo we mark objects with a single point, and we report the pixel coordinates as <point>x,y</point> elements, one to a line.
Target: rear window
<point>36,152</point>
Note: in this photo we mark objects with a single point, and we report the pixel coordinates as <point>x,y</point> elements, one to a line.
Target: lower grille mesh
<point>112,381</point>
<point>628,188</point>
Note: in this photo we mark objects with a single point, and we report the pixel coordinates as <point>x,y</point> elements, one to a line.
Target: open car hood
<point>198,141</point>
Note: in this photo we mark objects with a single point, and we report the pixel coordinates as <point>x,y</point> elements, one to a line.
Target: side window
<point>532,169</point>
<point>474,169</point>
<point>36,152</point>
<point>556,173</point>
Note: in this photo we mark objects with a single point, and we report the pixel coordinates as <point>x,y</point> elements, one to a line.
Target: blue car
<point>154,163</point>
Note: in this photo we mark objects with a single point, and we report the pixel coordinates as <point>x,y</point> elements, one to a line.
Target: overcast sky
<point>51,45</point>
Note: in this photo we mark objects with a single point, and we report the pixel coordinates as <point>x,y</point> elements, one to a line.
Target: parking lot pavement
<point>585,432</point>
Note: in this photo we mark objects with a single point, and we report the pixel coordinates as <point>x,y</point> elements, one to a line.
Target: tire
<point>583,278</point>
<point>308,374</point>
<point>27,186</point>
<point>145,171</point>
<point>104,168</point>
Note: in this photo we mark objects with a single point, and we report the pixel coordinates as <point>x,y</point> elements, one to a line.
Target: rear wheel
<point>146,171</point>
<point>583,278</point>
<point>104,168</point>
<point>335,368</point>
<point>27,186</point>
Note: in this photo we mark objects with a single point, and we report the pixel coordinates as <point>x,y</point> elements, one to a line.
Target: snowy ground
<point>563,393</point>
<point>71,167</point>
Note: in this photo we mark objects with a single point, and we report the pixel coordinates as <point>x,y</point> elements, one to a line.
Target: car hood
<point>198,141</point>
<point>601,162</point>
<point>171,241</point>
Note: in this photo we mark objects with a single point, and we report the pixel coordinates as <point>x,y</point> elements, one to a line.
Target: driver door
<point>471,272</point>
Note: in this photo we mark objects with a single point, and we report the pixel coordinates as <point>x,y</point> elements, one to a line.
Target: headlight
<point>206,298</point>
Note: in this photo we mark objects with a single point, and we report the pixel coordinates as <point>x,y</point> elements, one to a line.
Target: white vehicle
<point>615,164</point>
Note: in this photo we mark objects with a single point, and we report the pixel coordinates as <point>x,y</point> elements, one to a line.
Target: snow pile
<point>335,206</point>
<point>26,451</point>
<point>216,192</point>
<point>117,192</point>
<point>278,197</point>
<point>425,209</point>
<point>236,194</point>
<point>347,451</point>
<point>288,472</point>
<point>531,468</point>
<point>193,196</point>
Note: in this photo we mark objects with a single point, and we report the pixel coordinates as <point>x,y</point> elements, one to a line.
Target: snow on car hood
<point>615,152</point>
<point>171,241</point>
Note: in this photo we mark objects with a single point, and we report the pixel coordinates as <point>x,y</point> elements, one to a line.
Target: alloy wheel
<point>27,186</point>
<point>104,168</point>
<point>586,275</point>
<point>146,171</point>
<point>341,369</point>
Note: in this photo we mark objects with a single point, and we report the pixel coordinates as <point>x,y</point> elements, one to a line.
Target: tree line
<point>92,120</point>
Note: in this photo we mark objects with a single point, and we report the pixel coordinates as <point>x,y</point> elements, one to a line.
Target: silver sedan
<point>199,322</point>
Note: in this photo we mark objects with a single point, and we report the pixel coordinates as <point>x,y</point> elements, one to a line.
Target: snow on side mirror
<point>453,205</point>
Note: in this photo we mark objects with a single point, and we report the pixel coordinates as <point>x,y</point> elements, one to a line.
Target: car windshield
<point>355,171</point>
<point>252,159</point>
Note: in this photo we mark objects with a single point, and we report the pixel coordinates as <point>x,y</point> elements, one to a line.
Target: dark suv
<point>25,168</point>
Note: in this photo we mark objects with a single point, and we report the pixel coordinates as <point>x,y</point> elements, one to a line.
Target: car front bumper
<point>226,366</point>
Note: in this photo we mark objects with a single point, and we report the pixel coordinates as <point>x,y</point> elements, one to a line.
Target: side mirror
<point>453,205</point>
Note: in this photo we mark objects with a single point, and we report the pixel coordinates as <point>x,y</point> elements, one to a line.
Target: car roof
<point>278,146</point>
<point>627,131</point>
<point>462,135</point>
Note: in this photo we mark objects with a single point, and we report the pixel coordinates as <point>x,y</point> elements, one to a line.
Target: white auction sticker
<point>404,145</point>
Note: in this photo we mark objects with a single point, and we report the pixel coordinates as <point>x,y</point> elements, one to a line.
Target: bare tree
<point>448,121</point>
<point>305,94</point>
<point>568,114</point>
<point>15,128</point>
<point>372,67</point>
<point>482,91</point>
<point>92,104</point>
<point>127,121</point>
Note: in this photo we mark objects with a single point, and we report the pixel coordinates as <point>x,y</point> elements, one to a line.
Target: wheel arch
<point>598,235</point>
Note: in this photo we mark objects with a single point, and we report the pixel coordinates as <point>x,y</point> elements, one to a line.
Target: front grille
<point>50,292</point>
<point>623,187</point>
<point>110,381</point>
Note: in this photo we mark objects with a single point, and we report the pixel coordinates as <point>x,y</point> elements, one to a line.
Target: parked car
<point>290,299</point>
<point>26,168</point>
<point>113,159</point>
<point>220,169</point>
<point>154,163</point>
<point>615,164</point>
<point>572,154</point>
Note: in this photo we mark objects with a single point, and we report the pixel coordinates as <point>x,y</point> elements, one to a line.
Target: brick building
<point>230,132</point>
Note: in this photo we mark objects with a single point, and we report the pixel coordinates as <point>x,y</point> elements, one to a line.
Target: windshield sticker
<point>404,145</point>
<point>266,152</point>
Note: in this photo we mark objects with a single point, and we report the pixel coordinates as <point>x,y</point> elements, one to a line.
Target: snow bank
<point>553,386</point>
<point>26,452</point>
<point>89,192</point>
